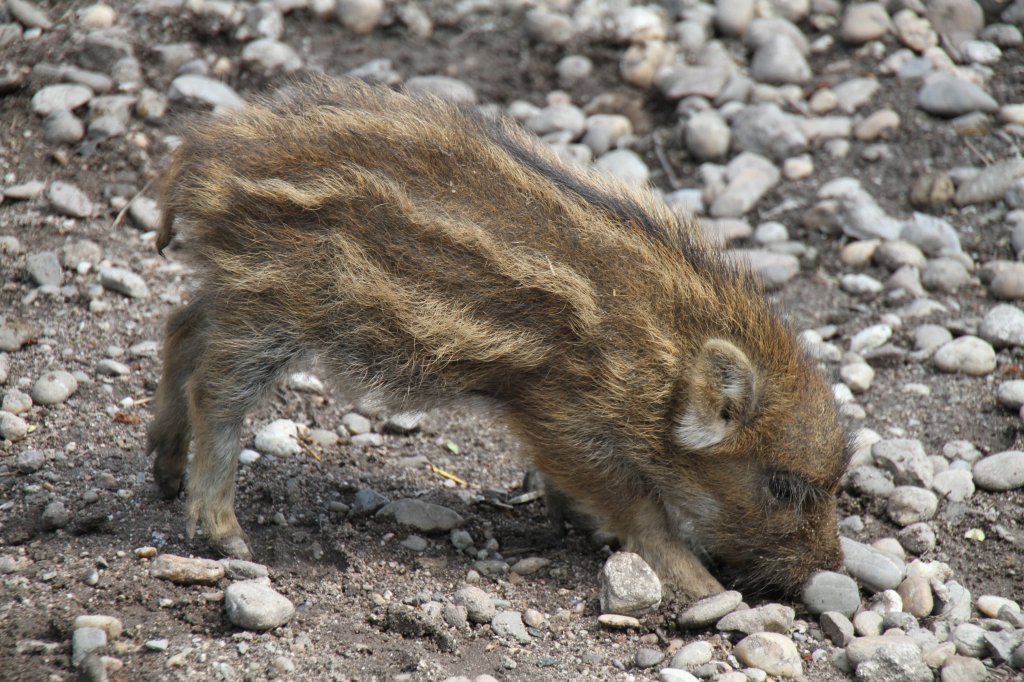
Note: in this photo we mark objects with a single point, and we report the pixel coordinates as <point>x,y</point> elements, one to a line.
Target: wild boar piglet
<point>425,253</point>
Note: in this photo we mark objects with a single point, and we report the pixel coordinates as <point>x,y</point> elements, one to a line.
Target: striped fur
<point>427,253</point>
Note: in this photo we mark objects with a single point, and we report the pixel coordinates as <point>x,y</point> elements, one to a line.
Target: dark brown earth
<point>339,571</point>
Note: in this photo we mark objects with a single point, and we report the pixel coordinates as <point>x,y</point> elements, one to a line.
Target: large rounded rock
<point>709,610</point>
<point>54,387</point>
<point>966,355</point>
<point>771,652</point>
<point>1002,471</point>
<point>1003,326</point>
<point>629,586</point>
<point>423,516</point>
<point>254,606</point>
<point>830,591</point>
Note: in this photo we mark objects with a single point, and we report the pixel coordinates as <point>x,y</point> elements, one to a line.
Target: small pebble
<point>617,622</point>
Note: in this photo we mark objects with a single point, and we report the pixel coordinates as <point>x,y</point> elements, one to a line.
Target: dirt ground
<point>339,571</point>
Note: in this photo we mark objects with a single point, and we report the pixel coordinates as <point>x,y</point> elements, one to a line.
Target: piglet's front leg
<point>674,562</point>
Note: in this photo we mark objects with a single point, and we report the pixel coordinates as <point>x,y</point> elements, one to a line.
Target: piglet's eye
<point>788,489</point>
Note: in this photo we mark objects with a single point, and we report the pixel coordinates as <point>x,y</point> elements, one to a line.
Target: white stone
<point>279,438</point>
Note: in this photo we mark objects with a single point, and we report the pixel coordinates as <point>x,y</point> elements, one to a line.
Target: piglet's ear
<point>721,396</point>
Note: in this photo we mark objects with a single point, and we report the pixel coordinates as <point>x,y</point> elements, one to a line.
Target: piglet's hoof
<point>233,547</point>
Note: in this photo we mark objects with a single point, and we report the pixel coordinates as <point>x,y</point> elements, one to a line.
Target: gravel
<point>808,120</point>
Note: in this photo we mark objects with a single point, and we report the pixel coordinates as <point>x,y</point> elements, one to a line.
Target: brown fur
<point>426,253</point>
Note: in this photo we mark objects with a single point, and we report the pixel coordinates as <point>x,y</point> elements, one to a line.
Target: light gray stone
<point>708,610</point>
<point>648,658</point>
<point>966,355</point>
<point>909,504</point>
<point>991,183</point>
<point>12,427</point>
<point>766,130</point>
<point>204,90</point>
<point>837,627</point>
<point>963,669</point>
<point>869,481</point>
<point>628,585</point>
<point>707,136</point>
<point>675,675</point>
<point>692,655</point>
<point>862,649</point>
<point>945,275</point>
<point>360,16</point>
<point>478,604</point>
<point>44,268</point>
<point>863,22</point>
<point>423,516</point>
<point>955,485</point>
<point>779,60</point>
<point>875,570</point>
<point>271,56</point>
<point>905,459</point>
<point>933,235</point>
<point>887,664</point>
<point>951,96</point>
<point>124,282</point>
<point>1001,471</point>
<point>830,591</point>
<point>60,97</point>
<point>510,624</point>
<point>677,82</point>
<point>917,538</point>
<point>556,118</point>
<point>771,652</point>
<point>30,15</point>
<point>1003,326</point>
<point>734,16</point>
<point>869,338</point>
<point>749,176</point>
<point>85,641</point>
<point>63,127</point>
<point>445,87</point>
<point>767,618</point>
<point>54,387</point>
<point>253,606</point>
<point>774,269</point>
<point>55,516</point>
<point>30,461</point>
<point>279,438</point>
<point>69,200</point>
<point>969,640</point>
<point>626,165</point>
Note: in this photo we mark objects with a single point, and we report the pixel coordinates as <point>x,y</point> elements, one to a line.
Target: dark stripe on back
<point>622,209</point>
